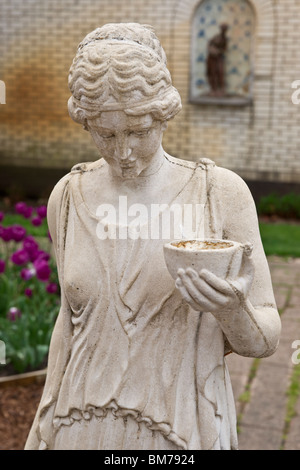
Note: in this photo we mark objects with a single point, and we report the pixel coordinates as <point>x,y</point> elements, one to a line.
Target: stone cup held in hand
<point>221,257</point>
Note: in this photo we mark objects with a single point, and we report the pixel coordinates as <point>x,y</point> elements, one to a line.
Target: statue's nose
<point>123,150</point>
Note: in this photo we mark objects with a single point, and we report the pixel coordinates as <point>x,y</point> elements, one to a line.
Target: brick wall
<point>38,41</point>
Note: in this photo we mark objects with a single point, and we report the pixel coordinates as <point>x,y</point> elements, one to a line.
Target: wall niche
<point>222,42</point>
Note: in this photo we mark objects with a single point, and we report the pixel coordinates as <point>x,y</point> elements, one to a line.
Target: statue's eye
<point>107,136</point>
<point>141,133</point>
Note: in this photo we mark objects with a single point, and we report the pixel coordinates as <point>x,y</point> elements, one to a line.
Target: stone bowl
<point>221,257</point>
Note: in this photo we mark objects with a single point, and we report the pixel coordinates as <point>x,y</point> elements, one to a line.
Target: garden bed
<point>29,291</point>
<point>19,399</point>
<point>29,303</point>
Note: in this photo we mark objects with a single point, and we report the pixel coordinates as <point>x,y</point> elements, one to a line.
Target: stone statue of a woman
<point>136,360</point>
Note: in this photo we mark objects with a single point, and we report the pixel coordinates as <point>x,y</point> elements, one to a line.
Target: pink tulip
<point>14,313</point>
<point>27,273</point>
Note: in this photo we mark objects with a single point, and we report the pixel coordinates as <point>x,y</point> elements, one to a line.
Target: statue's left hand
<point>207,292</point>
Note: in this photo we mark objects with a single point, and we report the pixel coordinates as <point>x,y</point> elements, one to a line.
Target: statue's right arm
<point>58,351</point>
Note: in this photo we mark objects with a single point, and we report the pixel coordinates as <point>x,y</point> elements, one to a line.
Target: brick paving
<point>261,387</point>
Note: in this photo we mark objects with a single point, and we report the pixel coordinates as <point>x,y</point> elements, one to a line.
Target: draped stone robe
<point>128,343</point>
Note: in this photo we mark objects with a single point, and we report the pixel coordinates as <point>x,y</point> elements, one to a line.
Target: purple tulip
<point>40,254</point>
<point>14,313</point>
<point>29,243</point>
<point>36,221</point>
<point>51,288</point>
<point>20,208</point>
<point>27,274</point>
<point>1,216</point>
<point>20,257</point>
<point>28,292</point>
<point>28,212</point>
<point>42,211</point>
<point>2,266</point>
<point>18,232</point>
<point>43,270</point>
<point>6,234</point>
<point>31,247</point>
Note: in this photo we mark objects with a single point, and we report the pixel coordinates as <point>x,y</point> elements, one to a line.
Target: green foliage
<point>287,206</point>
<point>27,338</point>
<point>293,394</point>
<point>16,219</point>
<point>281,239</point>
<point>31,289</point>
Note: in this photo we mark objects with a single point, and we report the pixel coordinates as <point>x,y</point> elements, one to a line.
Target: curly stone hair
<point>121,67</point>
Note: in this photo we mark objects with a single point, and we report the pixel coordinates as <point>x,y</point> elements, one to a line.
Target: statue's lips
<point>127,165</point>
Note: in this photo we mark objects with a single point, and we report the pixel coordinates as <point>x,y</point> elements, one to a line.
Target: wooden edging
<point>38,377</point>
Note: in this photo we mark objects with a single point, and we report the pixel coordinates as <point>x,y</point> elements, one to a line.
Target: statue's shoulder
<point>59,190</point>
<point>202,163</point>
<point>229,185</point>
<point>62,185</point>
<point>206,163</point>
<point>226,178</point>
<point>86,167</point>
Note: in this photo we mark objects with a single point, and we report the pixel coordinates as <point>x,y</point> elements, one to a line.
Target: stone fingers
<point>196,290</point>
<point>186,296</point>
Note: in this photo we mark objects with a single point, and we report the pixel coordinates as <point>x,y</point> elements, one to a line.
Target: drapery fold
<point>129,340</point>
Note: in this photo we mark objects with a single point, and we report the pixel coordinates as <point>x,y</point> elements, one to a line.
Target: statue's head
<point>121,67</point>
<point>224,27</point>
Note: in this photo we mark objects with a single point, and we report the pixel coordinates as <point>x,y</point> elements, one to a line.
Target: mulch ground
<point>18,405</point>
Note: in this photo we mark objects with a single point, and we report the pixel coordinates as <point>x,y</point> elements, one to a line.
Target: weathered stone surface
<point>137,357</point>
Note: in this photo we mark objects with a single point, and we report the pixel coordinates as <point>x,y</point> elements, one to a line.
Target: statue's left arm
<point>245,307</point>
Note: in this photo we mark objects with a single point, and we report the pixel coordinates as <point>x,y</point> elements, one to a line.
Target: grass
<point>293,394</point>
<point>245,397</point>
<point>281,239</point>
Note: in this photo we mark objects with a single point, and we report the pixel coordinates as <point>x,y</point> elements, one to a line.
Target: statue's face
<point>127,143</point>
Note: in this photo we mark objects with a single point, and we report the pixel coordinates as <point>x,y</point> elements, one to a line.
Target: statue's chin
<point>126,173</point>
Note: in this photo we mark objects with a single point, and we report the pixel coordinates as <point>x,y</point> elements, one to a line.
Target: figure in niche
<point>215,63</point>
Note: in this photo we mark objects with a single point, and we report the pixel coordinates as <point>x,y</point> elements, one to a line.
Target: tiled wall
<point>38,40</point>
